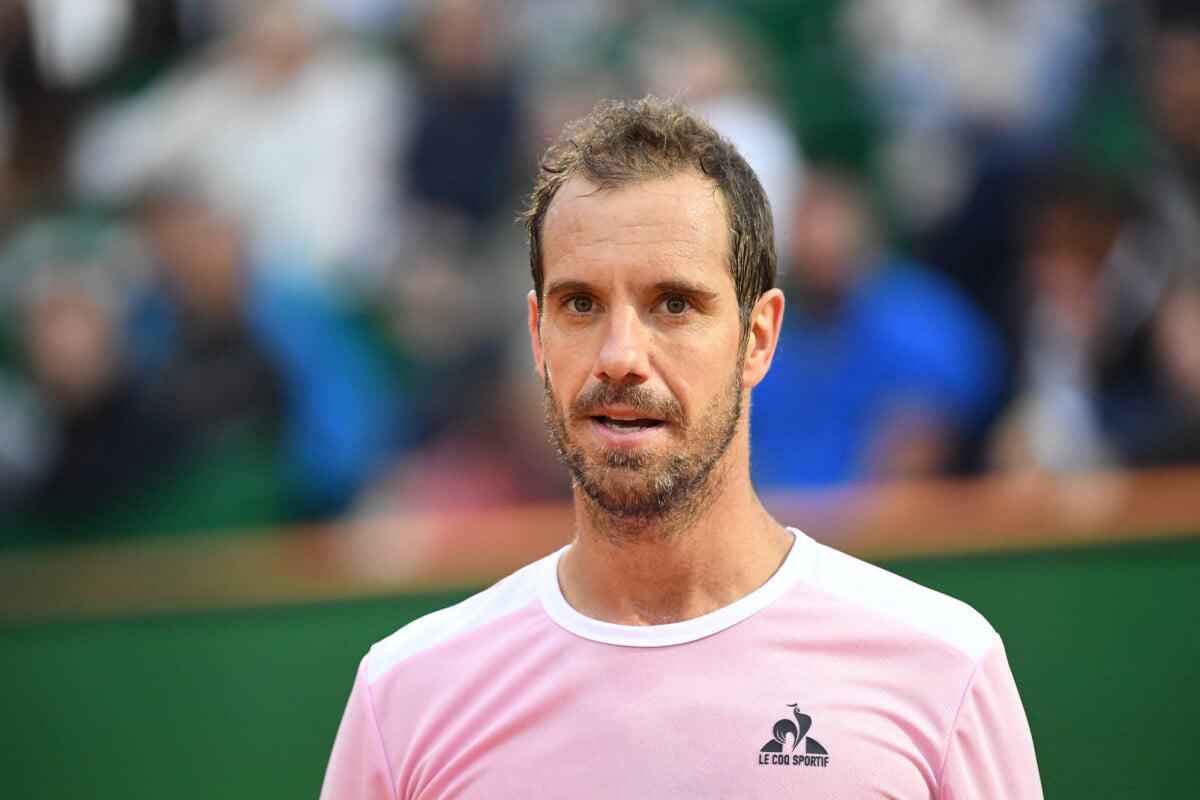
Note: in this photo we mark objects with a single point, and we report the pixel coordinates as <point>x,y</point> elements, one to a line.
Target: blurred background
<point>265,384</point>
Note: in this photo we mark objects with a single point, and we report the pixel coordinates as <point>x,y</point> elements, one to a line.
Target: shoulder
<point>908,607</point>
<point>421,635</point>
<point>904,290</point>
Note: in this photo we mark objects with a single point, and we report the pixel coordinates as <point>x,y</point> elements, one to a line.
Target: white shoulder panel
<point>507,595</point>
<point>875,589</point>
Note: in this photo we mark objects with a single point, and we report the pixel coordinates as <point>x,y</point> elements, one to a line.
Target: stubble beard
<point>632,492</point>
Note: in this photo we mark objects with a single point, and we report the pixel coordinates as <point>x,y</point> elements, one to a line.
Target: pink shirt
<point>835,679</point>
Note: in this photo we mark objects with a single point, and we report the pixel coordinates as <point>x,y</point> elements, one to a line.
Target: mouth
<point>627,425</point>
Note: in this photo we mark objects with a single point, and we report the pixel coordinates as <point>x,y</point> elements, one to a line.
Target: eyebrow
<point>686,288</point>
<point>673,287</point>
<point>566,287</point>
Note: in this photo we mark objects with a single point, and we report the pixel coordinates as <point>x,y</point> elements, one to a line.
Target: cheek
<point>698,387</point>
<point>568,352</point>
<point>564,371</point>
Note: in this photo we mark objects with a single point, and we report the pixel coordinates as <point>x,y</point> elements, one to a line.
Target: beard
<point>647,487</point>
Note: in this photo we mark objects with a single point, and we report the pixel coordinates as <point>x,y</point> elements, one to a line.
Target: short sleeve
<point>358,767</point>
<point>990,755</point>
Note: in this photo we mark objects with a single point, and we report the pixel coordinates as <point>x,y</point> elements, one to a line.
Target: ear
<point>765,321</point>
<point>535,334</point>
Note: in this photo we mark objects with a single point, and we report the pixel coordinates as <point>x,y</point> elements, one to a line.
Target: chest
<point>675,722</point>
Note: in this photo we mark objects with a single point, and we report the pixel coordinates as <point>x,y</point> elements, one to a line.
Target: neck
<point>650,572</point>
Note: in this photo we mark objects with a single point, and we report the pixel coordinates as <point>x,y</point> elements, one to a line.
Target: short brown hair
<point>624,142</point>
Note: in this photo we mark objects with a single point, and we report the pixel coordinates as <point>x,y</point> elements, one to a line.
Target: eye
<point>580,304</point>
<point>675,305</point>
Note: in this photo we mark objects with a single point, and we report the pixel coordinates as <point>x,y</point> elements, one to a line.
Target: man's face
<point>639,341</point>
<point>1175,87</point>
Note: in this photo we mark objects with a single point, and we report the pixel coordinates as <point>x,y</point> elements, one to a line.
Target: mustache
<point>637,398</point>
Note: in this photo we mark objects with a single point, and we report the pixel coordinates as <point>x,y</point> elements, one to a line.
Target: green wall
<point>1105,644</point>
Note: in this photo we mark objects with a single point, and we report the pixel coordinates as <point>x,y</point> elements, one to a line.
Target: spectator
<point>458,250</point>
<point>717,64</point>
<point>288,129</point>
<point>1106,380</point>
<point>1085,397</point>
<point>883,368</point>
<point>104,438</point>
<point>211,370</point>
<point>466,117</point>
<point>233,346</point>
<point>973,96</point>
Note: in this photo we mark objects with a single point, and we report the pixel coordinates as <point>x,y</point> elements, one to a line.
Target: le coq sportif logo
<point>785,741</point>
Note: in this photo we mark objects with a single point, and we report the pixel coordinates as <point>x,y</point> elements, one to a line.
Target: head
<point>71,339</point>
<point>834,238</point>
<point>463,41</point>
<point>653,314</point>
<point>706,52</point>
<point>274,39</point>
<point>1071,221</point>
<point>197,249</point>
<point>1172,74</point>
<point>622,143</point>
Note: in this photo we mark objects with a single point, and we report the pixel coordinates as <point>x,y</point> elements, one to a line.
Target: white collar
<point>674,632</point>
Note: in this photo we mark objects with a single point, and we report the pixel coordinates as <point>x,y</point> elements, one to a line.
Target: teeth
<point>622,427</point>
<point>627,425</point>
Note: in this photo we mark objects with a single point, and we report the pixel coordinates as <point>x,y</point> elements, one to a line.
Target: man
<point>884,368</point>
<point>685,644</point>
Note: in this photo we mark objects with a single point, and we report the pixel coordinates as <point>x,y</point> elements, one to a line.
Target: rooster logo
<point>787,730</point>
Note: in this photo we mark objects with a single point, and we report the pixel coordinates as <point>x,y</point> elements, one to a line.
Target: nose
<point>623,356</point>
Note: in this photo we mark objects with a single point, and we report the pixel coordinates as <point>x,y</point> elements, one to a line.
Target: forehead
<point>680,218</point>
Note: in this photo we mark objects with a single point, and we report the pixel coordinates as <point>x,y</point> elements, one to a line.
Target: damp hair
<point>621,143</point>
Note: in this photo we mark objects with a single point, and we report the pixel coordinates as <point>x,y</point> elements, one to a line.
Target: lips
<point>625,410</point>
<point>625,430</point>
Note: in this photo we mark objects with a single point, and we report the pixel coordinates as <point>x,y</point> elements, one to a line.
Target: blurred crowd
<point>259,264</point>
